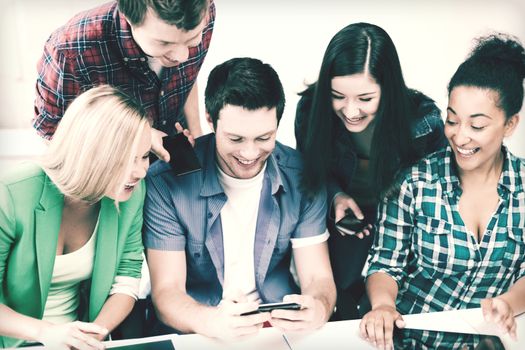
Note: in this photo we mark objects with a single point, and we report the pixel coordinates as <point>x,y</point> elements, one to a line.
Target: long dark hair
<point>347,54</point>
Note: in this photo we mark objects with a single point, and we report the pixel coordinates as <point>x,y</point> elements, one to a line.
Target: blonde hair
<point>94,146</point>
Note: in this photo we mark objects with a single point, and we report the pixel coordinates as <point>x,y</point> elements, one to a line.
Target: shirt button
<point>142,59</point>
<point>161,92</point>
<point>197,255</point>
<point>126,59</point>
<point>163,122</point>
<point>210,215</point>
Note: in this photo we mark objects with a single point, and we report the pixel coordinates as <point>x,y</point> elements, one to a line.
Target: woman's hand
<point>74,335</point>
<point>498,311</point>
<point>377,326</point>
<point>343,203</point>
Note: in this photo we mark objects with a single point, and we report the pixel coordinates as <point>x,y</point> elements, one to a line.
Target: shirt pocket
<point>198,260</point>
<point>440,249</point>
<point>514,248</point>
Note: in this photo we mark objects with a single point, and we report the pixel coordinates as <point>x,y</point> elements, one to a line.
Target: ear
<point>510,125</point>
<point>210,122</point>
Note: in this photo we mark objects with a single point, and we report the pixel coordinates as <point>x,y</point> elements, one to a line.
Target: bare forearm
<point>115,310</point>
<point>16,325</point>
<point>515,297</point>
<point>180,311</point>
<point>381,290</point>
<point>323,290</point>
<point>191,112</point>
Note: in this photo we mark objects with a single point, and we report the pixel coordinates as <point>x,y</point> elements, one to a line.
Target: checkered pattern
<point>96,47</point>
<point>424,245</point>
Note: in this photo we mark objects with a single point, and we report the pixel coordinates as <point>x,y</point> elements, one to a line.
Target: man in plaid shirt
<point>151,49</point>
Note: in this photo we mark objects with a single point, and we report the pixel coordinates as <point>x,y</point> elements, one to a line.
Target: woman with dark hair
<point>357,126</point>
<point>458,221</point>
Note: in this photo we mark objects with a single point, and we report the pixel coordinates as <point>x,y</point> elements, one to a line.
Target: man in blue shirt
<point>220,241</point>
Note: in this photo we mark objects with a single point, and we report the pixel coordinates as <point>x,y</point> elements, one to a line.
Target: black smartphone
<point>183,159</point>
<point>273,306</point>
<point>349,224</point>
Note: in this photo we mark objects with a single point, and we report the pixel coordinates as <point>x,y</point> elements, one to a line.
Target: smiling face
<point>355,100</point>
<point>475,127</point>
<point>164,41</point>
<point>138,169</point>
<point>244,139</point>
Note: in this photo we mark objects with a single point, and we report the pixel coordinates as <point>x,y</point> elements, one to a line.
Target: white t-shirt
<point>239,220</point>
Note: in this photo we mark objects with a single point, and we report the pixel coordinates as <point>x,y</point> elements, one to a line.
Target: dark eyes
<point>362,99</point>
<point>239,139</point>
<point>477,128</point>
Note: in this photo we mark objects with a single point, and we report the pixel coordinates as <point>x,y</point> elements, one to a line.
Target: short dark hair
<point>356,49</point>
<point>497,63</point>
<point>185,14</point>
<point>244,82</point>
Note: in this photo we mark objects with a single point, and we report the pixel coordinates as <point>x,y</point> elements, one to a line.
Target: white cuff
<point>308,241</point>
<point>126,285</point>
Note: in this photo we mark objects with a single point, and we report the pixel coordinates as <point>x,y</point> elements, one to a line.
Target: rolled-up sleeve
<point>312,221</point>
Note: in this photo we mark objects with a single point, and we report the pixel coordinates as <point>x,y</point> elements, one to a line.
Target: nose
<point>140,168</point>
<point>462,136</point>
<point>351,109</point>
<point>179,53</point>
<point>250,151</point>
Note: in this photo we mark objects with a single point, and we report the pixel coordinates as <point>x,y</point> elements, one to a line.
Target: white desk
<point>334,335</point>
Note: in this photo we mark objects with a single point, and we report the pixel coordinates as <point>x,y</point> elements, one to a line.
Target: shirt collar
<point>128,47</point>
<point>510,180</point>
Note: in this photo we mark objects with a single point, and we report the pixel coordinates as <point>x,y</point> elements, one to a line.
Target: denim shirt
<point>183,213</point>
<point>427,132</point>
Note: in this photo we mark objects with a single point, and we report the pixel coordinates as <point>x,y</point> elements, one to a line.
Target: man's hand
<point>156,145</point>
<point>225,322</point>
<point>311,315</point>
<point>156,141</point>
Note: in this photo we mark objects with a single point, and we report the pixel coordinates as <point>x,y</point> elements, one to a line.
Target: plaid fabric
<point>96,47</point>
<point>424,245</point>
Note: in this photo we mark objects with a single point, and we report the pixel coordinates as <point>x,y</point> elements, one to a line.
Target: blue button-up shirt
<point>183,213</point>
<point>425,246</point>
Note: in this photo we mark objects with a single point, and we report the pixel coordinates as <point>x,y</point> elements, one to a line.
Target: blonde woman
<point>70,227</point>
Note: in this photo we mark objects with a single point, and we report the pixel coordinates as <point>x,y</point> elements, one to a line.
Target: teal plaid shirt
<point>423,244</point>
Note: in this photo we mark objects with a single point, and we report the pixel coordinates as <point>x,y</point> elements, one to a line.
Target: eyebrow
<point>475,115</point>
<point>268,133</point>
<point>363,94</point>
<point>172,42</point>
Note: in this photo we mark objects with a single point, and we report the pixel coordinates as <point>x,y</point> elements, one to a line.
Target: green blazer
<point>30,217</point>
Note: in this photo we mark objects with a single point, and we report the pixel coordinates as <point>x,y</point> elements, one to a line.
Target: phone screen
<point>183,159</point>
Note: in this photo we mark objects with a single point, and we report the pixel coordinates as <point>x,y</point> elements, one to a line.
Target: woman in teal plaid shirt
<point>453,235</point>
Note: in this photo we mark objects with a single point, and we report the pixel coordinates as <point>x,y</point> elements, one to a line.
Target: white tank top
<point>69,270</point>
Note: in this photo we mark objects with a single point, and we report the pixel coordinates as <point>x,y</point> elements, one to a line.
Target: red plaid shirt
<point>96,47</point>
